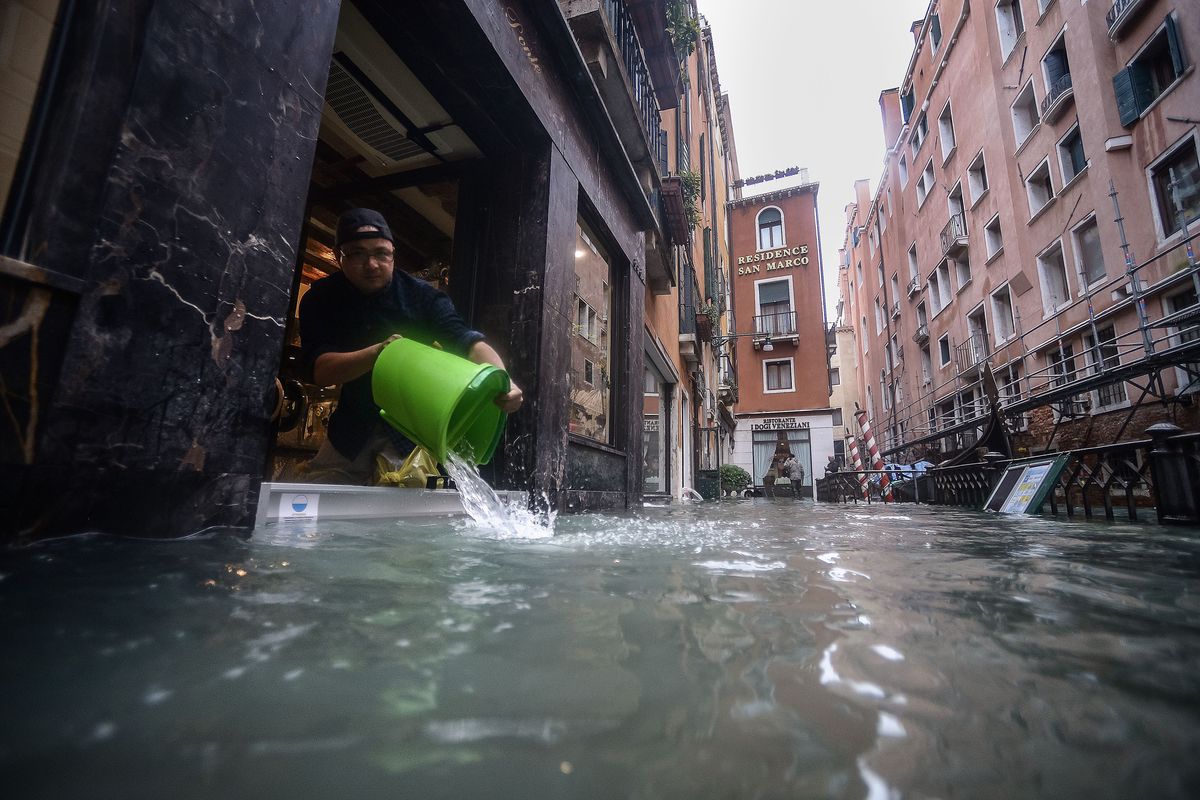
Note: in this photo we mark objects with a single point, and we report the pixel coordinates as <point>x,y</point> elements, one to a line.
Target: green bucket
<point>441,401</point>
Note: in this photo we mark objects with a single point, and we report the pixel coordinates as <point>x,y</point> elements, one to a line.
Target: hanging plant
<point>682,27</point>
<point>690,183</point>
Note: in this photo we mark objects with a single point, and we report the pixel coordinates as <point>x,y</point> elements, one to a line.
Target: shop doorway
<point>386,143</point>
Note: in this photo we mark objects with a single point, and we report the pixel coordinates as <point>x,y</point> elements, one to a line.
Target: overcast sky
<point>803,78</point>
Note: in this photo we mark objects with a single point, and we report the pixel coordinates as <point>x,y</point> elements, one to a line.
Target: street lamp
<point>720,341</point>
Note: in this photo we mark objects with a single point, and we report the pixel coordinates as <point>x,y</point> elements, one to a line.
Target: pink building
<point>992,243</point>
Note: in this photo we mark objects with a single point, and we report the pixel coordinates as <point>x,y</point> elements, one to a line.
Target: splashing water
<point>488,511</point>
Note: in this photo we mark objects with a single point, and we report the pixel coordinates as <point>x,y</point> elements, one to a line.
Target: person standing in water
<point>348,318</point>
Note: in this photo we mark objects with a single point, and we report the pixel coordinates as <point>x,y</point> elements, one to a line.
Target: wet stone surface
<point>751,649</point>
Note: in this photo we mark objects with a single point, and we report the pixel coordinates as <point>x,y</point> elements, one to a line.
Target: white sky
<point>803,78</point>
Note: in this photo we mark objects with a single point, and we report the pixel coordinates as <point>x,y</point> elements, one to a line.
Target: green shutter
<point>1127,102</point>
<point>1177,59</point>
<point>710,279</point>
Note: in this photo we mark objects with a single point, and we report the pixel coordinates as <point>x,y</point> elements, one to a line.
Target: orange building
<point>780,350</point>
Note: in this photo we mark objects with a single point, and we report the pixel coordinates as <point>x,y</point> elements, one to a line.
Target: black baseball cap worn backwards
<point>350,222</point>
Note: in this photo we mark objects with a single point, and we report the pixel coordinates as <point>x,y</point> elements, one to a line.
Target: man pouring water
<point>348,318</point>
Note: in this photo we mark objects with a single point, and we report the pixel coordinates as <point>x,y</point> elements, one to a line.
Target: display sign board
<point>1023,488</point>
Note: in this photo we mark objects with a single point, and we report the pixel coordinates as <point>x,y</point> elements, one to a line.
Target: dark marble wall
<point>186,256</point>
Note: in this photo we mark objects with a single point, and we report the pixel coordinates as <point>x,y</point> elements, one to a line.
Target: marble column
<point>159,420</point>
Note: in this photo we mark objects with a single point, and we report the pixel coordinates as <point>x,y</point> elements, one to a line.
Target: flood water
<point>747,650</point>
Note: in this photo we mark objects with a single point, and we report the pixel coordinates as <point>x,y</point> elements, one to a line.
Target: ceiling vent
<point>353,105</point>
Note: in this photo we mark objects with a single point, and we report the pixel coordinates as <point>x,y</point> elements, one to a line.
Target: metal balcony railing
<point>954,235</point>
<point>683,159</point>
<point>625,34</point>
<point>914,286</point>
<point>972,352</point>
<point>1056,99</point>
<point>781,324</point>
<point>1122,11</point>
<point>922,334</point>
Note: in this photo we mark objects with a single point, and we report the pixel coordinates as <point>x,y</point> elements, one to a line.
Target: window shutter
<point>1127,104</point>
<point>710,279</point>
<point>1177,59</point>
<point>1056,63</point>
<point>662,152</point>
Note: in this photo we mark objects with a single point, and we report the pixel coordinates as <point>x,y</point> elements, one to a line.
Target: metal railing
<point>634,60</point>
<point>781,324</point>
<point>1064,358</point>
<point>1160,473</point>
<point>1121,11</point>
<point>954,235</point>
<point>1058,90</point>
<point>972,352</point>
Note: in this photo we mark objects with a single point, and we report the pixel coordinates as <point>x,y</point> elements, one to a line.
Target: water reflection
<point>739,650</point>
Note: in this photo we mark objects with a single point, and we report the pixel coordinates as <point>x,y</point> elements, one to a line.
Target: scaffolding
<point>1077,369</point>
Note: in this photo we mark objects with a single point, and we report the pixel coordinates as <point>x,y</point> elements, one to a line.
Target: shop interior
<point>385,143</point>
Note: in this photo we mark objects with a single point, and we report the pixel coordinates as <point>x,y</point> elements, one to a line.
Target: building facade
<point>161,224</point>
<point>1027,240</point>
<point>779,314</point>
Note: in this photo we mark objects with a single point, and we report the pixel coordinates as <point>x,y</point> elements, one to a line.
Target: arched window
<point>770,229</point>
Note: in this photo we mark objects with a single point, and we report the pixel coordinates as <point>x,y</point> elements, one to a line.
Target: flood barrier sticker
<point>298,506</point>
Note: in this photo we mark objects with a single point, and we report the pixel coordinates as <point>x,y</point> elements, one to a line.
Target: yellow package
<point>412,474</point>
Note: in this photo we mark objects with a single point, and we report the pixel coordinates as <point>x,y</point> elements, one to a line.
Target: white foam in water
<point>489,512</point>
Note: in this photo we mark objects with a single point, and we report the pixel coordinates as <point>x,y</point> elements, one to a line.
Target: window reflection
<point>591,354</point>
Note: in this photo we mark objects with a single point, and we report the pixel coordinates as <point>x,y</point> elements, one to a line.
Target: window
<point>902,167</point>
<point>858,267</point>
<point>770,228</point>
<point>1062,365</point>
<point>1103,355</point>
<point>777,375</point>
<point>926,366</point>
<point>935,33</point>
<point>925,185</point>
<point>1187,375</point>
<point>21,59</point>
<point>1153,70</point>
<point>920,131</point>
<point>1070,155</point>
<point>954,201</point>
<point>1025,114</point>
<point>880,321</point>
<point>993,238</point>
<point>913,270</point>
<point>591,358</point>
<point>655,428</point>
<point>940,291</point>
<point>879,271</point>
<point>835,379</point>
<point>896,292</point>
<point>962,269</point>
<point>922,316</point>
<point>1002,314</point>
<point>771,448</point>
<point>837,422</point>
<point>907,101</point>
<point>1053,275</point>
<point>1010,24</point>
<point>946,131</point>
<point>1088,255</point>
<point>1056,69</point>
<point>944,350</point>
<point>977,181</point>
<point>775,317</point>
<point>1175,179</point>
<point>1039,188</point>
<point>977,335</point>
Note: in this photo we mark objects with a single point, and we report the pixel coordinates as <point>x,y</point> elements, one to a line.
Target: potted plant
<point>734,479</point>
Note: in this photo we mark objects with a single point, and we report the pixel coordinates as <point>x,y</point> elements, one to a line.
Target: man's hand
<point>379,347</point>
<point>509,403</point>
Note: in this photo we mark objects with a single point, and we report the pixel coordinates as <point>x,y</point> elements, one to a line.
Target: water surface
<point>747,650</point>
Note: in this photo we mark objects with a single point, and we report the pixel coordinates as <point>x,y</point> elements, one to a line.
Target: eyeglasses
<point>361,256</point>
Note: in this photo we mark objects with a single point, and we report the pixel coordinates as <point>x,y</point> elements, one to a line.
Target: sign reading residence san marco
<point>771,260</point>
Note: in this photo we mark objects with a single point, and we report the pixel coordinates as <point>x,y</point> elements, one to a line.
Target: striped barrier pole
<point>885,485</point>
<point>858,465</point>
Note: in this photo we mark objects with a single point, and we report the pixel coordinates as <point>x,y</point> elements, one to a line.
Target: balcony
<point>660,260</point>
<point>896,310</point>
<point>611,47</point>
<point>775,328</point>
<point>914,286</point>
<point>1121,14</point>
<point>677,226</point>
<point>954,235</point>
<point>1056,101</point>
<point>972,353</point>
<point>922,335</point>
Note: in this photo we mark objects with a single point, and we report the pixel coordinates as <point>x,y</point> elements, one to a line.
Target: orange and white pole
<point>885,485</point>
<point>858,464</point>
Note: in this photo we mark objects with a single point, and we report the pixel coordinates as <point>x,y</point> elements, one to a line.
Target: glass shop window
<point>26,35</point>
<point>591,353</point>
